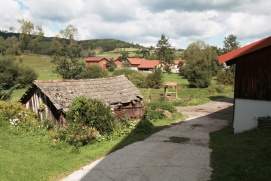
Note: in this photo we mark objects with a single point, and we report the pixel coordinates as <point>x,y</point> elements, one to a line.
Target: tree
<point>164,52</point>
<point>12,46</point>
<point>29,33</point>
<point>13,73</point>
<point>201,65</point>
<point>111,65</point>
<point>124,55</point>
<point>226,75</point>
<point>65,54</point>
<point>3,45</point>
<point>230,43</point>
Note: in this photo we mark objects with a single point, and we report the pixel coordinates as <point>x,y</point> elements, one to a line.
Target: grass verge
<point>244,156</point>
<point>33,156</point>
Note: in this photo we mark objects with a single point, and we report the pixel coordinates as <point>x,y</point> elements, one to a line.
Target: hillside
<point>104,45</point>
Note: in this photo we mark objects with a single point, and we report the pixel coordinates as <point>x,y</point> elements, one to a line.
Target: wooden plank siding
<point>253,75</point>
<point>50,112</point>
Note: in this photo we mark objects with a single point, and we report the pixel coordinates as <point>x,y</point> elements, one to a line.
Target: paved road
<point>159,159</point>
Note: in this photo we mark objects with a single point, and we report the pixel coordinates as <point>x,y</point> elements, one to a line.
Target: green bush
<point>124,71</point>
<point>138,79</point>
<point>12,73</point>
<point>161,105</point>
<point>93,113</point>
<point>93,72</point>
<point>225,77</point>
<point>155,79</point>
<point>16,113</point>
<point>153,115</point>
<point>198,78</point>
<point>76,134</point>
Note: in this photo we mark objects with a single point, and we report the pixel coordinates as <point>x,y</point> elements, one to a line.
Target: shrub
<point>76,134</point>
<point>198,78</point>
<point>16,113</point>
<point>225,77</point>
<point>111,65</point>
<point>93,72</point>
<point>153,115</point>
<point>155,110</point>
<point>93,113</point>
<point>12,73</point>
<point>161,105</point>
<point>138,79</point>
<point>155,79</point>
<point>124,71</point>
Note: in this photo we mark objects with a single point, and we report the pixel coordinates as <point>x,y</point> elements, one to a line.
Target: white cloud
<point>245,25</point>
<point>143,21</point>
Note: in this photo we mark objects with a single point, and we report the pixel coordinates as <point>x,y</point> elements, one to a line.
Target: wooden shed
<point>252,92</point>
<point>51,99</point>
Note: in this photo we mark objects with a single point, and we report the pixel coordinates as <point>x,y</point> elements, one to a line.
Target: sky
<point>144,21</point>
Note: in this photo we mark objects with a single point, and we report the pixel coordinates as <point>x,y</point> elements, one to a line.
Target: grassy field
<point>189,96</point>
<point>244,156</point>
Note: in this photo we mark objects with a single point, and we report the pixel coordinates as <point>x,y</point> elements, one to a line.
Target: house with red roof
<point>148,65</point>
<point>118,62</point>
<point>252,91</point>
<point>133,63</point>
<point>102,62</point>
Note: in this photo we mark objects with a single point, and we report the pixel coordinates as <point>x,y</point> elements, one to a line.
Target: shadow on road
<point>156,158</point>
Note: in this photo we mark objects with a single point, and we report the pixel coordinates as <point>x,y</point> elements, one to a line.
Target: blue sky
<point>143,21</point>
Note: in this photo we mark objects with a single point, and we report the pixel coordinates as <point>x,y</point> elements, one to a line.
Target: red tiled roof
<point>135,61</point>
<point>245,50</point>
<point>94,59</point>
<point>149,63</point>
<point>176,62</point>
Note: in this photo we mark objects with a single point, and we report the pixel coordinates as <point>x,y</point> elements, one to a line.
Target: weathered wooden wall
<point>131,111</point>
<point>49,112</point>
<point>253,75</point>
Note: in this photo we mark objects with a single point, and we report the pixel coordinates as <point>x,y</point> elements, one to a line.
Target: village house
<point>51,99</point>
<point>118,62</point>
<point>252,91</point>
<point>148,65</point>
<point>132,63</point>
<point>102,62</point>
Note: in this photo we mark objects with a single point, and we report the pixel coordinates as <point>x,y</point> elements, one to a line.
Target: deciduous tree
<point>200,64</point>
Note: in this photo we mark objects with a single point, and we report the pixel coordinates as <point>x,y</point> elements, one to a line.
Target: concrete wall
<point>246,113</point>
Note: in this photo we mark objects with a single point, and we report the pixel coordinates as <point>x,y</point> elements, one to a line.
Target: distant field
<point>42,65</point>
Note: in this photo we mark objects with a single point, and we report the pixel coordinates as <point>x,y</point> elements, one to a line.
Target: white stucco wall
<point>246,112</point>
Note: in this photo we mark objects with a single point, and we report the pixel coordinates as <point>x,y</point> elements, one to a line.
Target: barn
<point>51,99</point>
<point>252,91</point>
<point>102,62</point>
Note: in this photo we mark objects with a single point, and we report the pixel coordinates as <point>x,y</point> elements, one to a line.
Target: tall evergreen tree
<point>164,51</point>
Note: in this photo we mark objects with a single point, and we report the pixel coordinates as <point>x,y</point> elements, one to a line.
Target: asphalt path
<point>159,158</point>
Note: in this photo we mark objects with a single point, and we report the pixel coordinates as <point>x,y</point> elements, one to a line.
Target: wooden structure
<point>252,92</point>
<point>118,63</point>
<point>102,62</point>
<point>172,85</point>
<point>56,96</point>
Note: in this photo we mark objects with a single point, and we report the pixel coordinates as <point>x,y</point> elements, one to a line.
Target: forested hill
<point>106,45</point>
